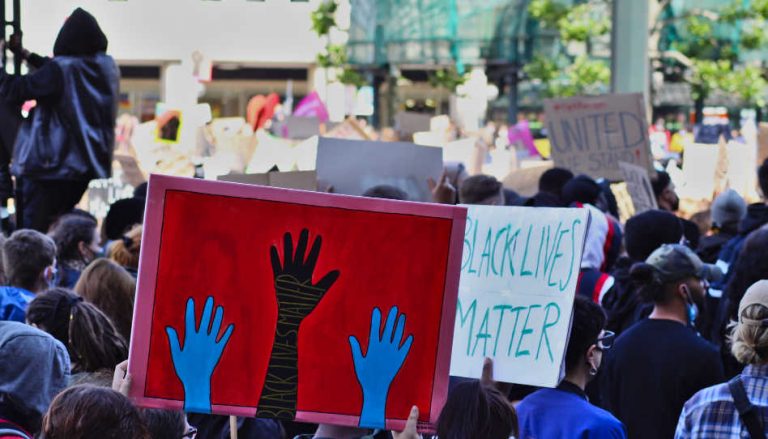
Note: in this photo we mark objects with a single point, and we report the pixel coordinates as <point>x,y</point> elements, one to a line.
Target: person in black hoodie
<point>551,185</point>
<point>643,233</point>
<point>68,139</point>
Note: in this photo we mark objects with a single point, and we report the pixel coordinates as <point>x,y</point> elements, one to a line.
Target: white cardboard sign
<point>519,271</point>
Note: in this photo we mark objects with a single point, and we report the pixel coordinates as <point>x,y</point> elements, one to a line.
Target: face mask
<point>54,279</point>
<point>693,312</point>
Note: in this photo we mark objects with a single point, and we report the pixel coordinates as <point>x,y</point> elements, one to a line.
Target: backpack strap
<point>747,412</point>
<point>8,429</point>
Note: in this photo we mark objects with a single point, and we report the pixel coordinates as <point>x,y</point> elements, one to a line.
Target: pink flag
<point>521,133</point>
<point>312,106</point>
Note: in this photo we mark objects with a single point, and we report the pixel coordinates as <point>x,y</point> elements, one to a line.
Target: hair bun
<point>643,273</point>
<point>127,242</point>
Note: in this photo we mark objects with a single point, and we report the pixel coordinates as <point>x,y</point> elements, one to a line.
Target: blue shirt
<point>710,413</point>
<point>565,413</point>
<point>14,302</point>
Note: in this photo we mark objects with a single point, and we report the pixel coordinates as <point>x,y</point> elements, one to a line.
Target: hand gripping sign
<point>257,301</point>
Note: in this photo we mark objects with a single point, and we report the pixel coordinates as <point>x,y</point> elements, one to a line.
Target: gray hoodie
<point>34,367</point>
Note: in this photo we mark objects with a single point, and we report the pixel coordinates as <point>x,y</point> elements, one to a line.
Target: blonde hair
<point>749,341</point>
<point>126,250</point>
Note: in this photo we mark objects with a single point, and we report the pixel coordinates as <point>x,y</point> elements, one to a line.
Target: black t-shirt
<point>651,371</point>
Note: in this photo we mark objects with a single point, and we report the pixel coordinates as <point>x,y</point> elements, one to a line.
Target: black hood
<point>757,215</point>
<point>80,36</point>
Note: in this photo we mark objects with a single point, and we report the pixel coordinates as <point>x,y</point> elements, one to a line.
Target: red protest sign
<point>292,304</point>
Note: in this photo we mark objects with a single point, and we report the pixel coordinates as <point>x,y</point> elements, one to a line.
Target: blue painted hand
<point>378,367</point>
<point>197,359</point>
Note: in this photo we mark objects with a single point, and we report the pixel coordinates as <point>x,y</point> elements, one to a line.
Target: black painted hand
<point>297,296</point>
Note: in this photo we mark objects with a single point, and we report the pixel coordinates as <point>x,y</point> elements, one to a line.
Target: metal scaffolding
<point>445,32</point>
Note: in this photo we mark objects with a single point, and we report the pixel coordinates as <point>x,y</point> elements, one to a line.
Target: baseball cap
<point>676,262</point>
<point>757,294</point>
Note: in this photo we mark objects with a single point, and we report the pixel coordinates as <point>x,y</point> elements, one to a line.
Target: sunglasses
<point>605,341</point>
<point>190,434</point>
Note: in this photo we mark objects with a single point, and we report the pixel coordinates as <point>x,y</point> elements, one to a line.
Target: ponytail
<point>89,335</point>
<point>646,278</point>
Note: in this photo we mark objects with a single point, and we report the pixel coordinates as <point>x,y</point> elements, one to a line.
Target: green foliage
<point>547,12</point>
<point>349,76</point>
<point>754,36</point>
<point>708,76</point>
<point>571,74</point>
<point>335,55</point>
<point>563,77</point>
<point>750,84</point>
<point>448,79</point>
<point>542,68</point>
<point>580,24</point>
<point>324,17</point>
<point>699,27</point>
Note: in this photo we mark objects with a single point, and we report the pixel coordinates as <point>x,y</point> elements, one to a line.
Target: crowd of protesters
<point>669,332</point>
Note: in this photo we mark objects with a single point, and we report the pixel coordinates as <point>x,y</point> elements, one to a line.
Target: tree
<point>334,57</point>
<point>575,71</point>
<point>707,45</point>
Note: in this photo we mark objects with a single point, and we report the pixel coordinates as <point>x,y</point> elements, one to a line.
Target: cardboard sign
<point>130,171</point>
<point>284,309</point>
<point>762,143</point>
<point>304,180</point>
<point>639,187</point>
<point>349,129</point>
<point>407,123</point>
<point>352,167</point>
<point>699,169</point>
<point>525,181</point>
<point>519,271</point>
<point>590,135</point>
<point>297,127</point>
<point>464,151</point>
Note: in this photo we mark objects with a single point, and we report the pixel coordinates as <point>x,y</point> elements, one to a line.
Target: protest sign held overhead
<point>639,187</point>
<point>590,135</point>
<point>303,180</point>
<point>298,127</point>
<point>352,167</point>
<point>407,123</point>
<point>279,311</point>
<point>519,271</point>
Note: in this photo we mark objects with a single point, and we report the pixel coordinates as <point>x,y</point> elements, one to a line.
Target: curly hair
<point>751,266</point>
<point>126,250</point>
<point>69,232</point>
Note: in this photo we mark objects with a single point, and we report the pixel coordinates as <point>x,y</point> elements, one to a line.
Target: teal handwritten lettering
<point>463,318</point>
<point>558,255</point>
<point>501,309</point>
<point>482,334</point>
<point>574,234</point>
<point>526,330</point>
<point>523,271</point>
<point>547,324</point>
<point>485,256</point>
